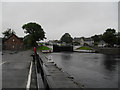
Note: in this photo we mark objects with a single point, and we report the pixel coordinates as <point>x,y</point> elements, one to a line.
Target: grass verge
<point>43,48</point>
<point>84,48</point>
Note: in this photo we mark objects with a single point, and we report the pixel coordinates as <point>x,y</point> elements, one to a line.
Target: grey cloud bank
<point>77,18</point>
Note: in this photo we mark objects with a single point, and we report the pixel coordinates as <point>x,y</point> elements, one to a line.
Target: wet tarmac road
<point>15,69</point>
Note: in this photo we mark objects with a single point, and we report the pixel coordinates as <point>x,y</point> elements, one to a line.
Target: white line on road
<point>2,63</point>
<point>29,77</point>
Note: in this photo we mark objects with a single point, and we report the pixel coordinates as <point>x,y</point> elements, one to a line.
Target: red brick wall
<point>14,43</point>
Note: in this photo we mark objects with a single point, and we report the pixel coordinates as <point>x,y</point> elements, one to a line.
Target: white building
<point>88,41</point>
<point>102,44</point>
<point>84,41</point>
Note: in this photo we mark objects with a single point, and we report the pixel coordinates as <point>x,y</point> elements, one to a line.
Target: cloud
<point>78,19</point>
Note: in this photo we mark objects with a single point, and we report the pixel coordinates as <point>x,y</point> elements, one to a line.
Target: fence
<point>44,79</point>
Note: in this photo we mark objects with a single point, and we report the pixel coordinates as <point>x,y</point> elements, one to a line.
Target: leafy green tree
<point>66,38</point>
<point>118,38</point>
<point>7,33</point>
<point>109,36</point>
<point>28,41</point>
<point>75,43</point>
<point>118,41</point>
<point>96,38</point>
<point>34,33</point>
<point>56,41</point>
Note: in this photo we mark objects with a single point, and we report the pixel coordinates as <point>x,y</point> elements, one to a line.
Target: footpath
<point>15,68</point>
<point>60,78</point>
<point>19,71</point>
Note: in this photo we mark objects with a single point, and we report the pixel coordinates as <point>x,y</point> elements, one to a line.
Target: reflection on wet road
<point>90,69</point>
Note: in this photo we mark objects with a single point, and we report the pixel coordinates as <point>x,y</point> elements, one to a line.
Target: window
<point>13,40</point>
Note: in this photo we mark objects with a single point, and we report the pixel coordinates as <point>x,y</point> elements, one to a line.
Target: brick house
<point>14,43</point>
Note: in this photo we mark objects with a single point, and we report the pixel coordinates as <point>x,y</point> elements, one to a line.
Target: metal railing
<point>44,79</point>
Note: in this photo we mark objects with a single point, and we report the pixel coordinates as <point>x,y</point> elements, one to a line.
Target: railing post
<point>43,74</point>
<point>40,82</point>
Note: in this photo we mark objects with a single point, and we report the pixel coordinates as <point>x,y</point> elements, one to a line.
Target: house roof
<point>20,38</point>
<point>77,38</point>
<point>85,39</point>
<point>88,39</point>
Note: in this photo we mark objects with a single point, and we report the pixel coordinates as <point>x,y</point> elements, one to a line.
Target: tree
<point>118,38</point>
<point>66,38</point>
<point>7,33</point>
<point>34,33</point>
<point>96,38</point>
<point>109,36</point>
<point>28,41</point>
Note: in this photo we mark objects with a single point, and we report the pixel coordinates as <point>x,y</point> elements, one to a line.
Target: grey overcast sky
<point>56,18</point>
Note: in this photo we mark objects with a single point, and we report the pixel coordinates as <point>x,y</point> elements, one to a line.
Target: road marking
<point>3,63</point>
<point>29,77</point>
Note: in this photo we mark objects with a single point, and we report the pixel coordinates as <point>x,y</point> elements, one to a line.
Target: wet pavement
<point>93,70</point>
<point>60,78</point>
<point>0,63</point>
<point>15,68</point>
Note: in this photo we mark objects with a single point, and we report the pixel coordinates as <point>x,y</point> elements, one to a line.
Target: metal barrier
<point>44,79</point>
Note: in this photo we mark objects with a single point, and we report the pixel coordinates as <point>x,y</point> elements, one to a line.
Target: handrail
<point>44,74</point>
<point>40,83</point>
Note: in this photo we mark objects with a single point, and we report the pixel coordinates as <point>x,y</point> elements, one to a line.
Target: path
<point>15,69</point>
